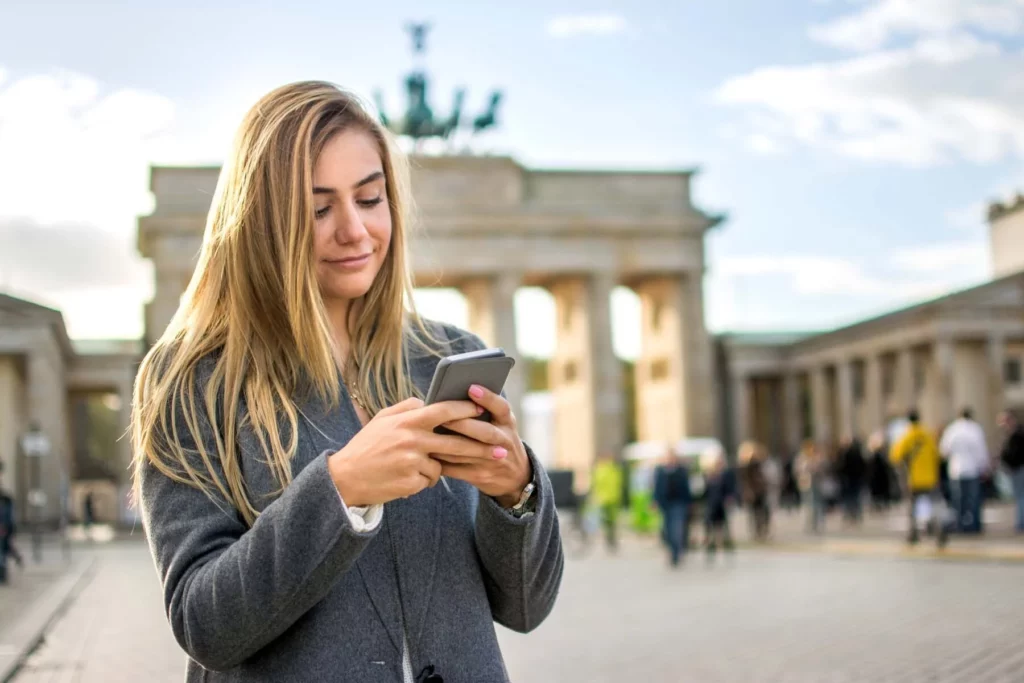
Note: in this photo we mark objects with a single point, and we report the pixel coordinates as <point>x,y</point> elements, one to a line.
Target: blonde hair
<point>748,451</point>
<point>711,458</point>
<point>254,305</point>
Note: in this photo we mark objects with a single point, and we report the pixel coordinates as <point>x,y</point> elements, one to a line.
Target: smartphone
<point>454,376</point>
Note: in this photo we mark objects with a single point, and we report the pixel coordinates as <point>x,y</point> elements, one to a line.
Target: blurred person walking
<point>1012,457</point>
<point>812,474</point>
<point>753,480</point>
<point>720,495</point>
<point>917,452</point>
<point>285,463</point>
<point>851,469</point>
<point>7,529</point>
<point>879,472</point>
<point>964,448</point>
<point>673,498</point>
<point>608,496</point>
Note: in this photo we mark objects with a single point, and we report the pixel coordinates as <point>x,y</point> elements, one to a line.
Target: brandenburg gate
<point>487,226</point>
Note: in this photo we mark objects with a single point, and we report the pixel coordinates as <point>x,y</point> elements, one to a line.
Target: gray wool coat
<point>301,596</point>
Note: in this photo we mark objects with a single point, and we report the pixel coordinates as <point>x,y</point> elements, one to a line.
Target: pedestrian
<point>720,496</point>
<point>812,471</point>
<point>7,529</point>
<point>789,494</point>
<point>608,484</point>
<point>851,472</point>
<point>918,453</point>
<point>1012,456</point>
<point>672,495</point>
<point>964,448</point>
<point>754,488</point>
<point>879,472</point>
<point>88,513</point>
<point>285,466</point>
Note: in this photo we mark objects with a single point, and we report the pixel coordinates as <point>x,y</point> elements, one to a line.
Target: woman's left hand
<point>507,471</point>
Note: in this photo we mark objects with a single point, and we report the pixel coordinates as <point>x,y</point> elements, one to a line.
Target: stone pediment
<point>14,311</point>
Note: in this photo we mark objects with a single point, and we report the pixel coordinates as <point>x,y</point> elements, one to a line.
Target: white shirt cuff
<point>364,518</point>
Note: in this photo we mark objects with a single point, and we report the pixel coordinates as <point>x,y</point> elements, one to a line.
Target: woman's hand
<point>389,458</point>
<point>502,470</point>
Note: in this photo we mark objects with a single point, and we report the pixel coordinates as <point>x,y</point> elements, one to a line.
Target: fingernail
<point>479,410</point>
<point>499,453</point>
<point>476,391</point>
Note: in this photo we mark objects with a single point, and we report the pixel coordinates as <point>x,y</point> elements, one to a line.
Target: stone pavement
<point>763,616</point>
<point>33,596</point>
<point>115,631</point>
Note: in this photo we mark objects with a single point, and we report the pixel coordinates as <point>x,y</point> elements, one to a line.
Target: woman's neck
<point>338,315</point>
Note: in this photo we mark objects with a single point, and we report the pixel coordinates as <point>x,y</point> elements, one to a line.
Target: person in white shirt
<point>964,447</point>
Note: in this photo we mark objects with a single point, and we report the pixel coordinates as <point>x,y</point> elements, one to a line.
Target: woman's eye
<point>370,202</point>
<point>320,213</point>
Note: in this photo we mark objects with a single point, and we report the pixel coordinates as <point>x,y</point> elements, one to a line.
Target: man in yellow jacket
<point>919,453</point>
<point>608,482</point>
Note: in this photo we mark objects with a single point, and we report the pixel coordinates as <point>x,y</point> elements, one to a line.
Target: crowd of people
<point>943,479</point>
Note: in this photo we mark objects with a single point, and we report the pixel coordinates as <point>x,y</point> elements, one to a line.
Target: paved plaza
<point>765,616</point>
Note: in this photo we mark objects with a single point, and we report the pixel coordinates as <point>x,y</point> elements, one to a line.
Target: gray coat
<point>301,596</point>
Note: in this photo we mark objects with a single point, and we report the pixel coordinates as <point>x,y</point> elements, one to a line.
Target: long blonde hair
<point>254,305</point>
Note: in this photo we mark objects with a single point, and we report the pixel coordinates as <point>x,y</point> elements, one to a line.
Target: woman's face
<point>353,221</point>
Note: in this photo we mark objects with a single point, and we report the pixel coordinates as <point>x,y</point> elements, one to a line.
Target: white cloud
<point>963,257</point>
<point>872,25</point>
<point>764,144</point>
<point>74,160</point>
<point>807,274</point>
<point>947,94</point>
<point>915,274</point>
<point>71,152</point>
<point>569,26</point>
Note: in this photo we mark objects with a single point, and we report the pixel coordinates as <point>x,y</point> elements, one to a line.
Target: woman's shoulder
<point>446,338</point>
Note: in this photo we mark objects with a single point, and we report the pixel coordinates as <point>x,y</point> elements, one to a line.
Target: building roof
<point>31,311</point>
<point>951,299</point>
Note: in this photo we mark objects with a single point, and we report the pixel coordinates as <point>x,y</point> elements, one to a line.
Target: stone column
<point>698,359</point>
<point>170,285</point>
<point>844,393</point>
<point>675,388</point>
<point>742,409</point>
<point>874,401</point>
<point>821,411</point>
<point>585,376</point>
<point>905,388</point>
<point>792,414</point>
<point>47,407</point>
<point>491,303</point>
<point>943,393</point>
<point>996,351</point>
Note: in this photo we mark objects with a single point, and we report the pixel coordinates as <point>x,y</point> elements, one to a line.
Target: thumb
<point>402,407</point>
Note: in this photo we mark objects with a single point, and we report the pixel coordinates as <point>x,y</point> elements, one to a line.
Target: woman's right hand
<point>389,457</point>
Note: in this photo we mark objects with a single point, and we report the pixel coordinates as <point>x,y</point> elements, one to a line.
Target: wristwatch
<point>521,508</point>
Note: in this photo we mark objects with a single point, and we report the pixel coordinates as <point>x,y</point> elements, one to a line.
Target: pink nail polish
<point>500,453</point>
<point>476,391</point>
<point>479,410</point>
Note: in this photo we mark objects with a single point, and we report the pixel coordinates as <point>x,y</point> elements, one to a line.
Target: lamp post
<point>36,446</point>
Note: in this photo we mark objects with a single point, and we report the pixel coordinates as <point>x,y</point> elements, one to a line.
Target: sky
<point>853,144</point>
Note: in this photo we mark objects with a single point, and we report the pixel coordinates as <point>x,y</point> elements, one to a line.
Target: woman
<point>284,462</point>
<point>719,497</point>
<point>879,472</point>
<point>812,473</point>
<point>754,487</point>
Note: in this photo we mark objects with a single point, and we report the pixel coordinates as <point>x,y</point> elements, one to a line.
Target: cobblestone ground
<point>764,617</point>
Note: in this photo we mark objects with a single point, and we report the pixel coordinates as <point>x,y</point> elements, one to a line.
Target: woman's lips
<point>350,263</point>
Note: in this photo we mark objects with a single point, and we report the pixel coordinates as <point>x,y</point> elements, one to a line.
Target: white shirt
<point>963,444</point>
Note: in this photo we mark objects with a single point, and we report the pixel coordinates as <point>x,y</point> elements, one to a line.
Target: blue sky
<point>853,143</point>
